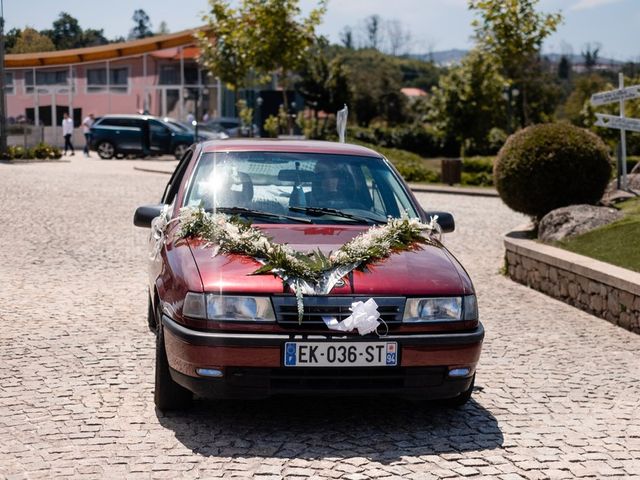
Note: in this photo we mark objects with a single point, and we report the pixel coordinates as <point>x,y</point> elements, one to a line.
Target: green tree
<point>372,27</point>
<point>323,84</point>
<point>30,40</point>
<point>376,80</point>
<point>10,38</point>
<point>512,32</point>
<point>577,108</point>
<point>142,28</point>
<point>65,33</point>
<point>346,37</point>
<point>282,37</point>
<point>92,37</point>
<point>590,55</point>
<point>564,68</point>
<point>228,46</point>
<point>469,102</point>
<point>163,28</point>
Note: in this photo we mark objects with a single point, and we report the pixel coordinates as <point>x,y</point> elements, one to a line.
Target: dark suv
<point>114,135</point>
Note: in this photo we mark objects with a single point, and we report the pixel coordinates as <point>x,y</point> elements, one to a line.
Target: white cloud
<point>588,4</point>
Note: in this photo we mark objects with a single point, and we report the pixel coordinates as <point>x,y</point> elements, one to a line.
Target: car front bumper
<point>252,365</point>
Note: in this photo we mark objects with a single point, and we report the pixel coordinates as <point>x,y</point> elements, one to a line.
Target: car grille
<point>315,307</point>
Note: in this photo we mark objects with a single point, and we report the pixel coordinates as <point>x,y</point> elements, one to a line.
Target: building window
<point>8,83</point>
<point>97,80</point>
<point>46,79</point>
<point>170,74</point>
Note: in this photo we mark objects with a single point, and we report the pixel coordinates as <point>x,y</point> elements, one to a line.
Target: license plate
<point>340,354</point>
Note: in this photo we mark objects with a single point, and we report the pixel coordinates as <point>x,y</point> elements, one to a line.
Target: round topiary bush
<point>549,166</point>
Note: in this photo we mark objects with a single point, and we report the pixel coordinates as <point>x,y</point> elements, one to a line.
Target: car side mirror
<point>445,220</point>
<point>145,214</point>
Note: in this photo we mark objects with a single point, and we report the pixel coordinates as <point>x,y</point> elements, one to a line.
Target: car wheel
<point>106,150</point>
<point>178,152</point>
<point>464,397</point>
<point>168,394</point>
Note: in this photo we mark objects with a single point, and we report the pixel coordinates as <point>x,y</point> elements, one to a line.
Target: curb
<point>444,189</point>
<point>152,170</point>
<point>601,289</point>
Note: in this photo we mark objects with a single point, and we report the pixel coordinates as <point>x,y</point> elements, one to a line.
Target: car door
<point>160,137</point>
<point>168,197</point>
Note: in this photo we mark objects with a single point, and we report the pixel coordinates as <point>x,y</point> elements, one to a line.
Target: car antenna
<point>341,122</point>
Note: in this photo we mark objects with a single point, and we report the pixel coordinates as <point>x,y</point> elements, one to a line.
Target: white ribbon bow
<point>364,316</point>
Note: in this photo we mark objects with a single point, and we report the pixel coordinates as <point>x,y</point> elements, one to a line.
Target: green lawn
<point>617,243</point>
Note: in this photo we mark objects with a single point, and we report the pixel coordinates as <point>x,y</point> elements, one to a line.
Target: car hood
<point>428,270</point>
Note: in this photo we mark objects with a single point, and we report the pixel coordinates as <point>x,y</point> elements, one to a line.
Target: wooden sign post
<point>621,122</point>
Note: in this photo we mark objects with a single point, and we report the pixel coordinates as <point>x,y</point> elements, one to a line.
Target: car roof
<point>292,146</point>
<point>130,115</point>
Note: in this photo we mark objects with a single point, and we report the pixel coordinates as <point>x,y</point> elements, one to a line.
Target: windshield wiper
<point>319,211</point>
<point>258,213</point>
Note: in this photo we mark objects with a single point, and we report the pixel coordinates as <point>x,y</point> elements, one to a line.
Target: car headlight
<point>225,307</point>
<point>438,309</point>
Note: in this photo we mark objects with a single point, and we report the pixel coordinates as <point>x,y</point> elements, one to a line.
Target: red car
<point>298,267</point>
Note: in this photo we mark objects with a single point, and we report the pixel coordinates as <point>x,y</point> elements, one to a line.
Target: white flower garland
<point>306,272</point>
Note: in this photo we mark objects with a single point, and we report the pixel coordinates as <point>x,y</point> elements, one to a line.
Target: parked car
<point>232,126</point>
<point>113,135</point>
<point>223,331</point>
<point>204,132</point>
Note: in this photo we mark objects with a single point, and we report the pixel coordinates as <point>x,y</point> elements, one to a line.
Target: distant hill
<point>451,57</point>
<point>444,57</point>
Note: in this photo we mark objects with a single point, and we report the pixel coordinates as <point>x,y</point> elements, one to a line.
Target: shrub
<point>271,126</point>
<point>408,164</point>
<point>17,151</point>
<point>41,151</point>
<point>481,179</point>
<point>413,138</point>
<point>478,165</point>
<point>415,172</point>
<point>549,166</point>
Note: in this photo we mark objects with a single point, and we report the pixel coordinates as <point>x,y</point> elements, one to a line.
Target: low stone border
<point>599,288</point>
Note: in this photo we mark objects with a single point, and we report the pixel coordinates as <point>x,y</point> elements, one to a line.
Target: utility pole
<point>3,97</point>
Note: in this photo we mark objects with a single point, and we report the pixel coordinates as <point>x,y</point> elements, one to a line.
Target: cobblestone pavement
<point>558,391</point>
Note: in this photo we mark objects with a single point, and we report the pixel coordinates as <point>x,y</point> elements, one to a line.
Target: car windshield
<point>322,188</point>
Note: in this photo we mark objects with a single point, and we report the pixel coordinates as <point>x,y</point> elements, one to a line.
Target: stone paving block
<point>76,394</point>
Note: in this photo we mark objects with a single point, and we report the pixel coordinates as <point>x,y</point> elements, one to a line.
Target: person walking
<point>67,131</point>
<point>86,129</point>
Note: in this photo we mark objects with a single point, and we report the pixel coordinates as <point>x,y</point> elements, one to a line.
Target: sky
<point>434,24</point>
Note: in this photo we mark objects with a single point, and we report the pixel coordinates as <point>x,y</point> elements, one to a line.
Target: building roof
<point>111,51</point>
<point>413,92</point>
<point>293,146</point>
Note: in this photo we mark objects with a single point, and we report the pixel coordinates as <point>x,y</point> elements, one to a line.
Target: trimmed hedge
<point>417,139</point>
<point>42,151</point>
<point>549,166</point>
<point>477,171</point>
<point>410,165</point>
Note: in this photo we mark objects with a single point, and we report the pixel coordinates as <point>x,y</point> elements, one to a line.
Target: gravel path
<point>558,391</point>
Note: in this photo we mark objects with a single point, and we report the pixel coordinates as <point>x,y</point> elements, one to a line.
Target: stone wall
<point>601,289</point>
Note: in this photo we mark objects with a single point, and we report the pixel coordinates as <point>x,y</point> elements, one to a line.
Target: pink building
<point>159,75</point>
